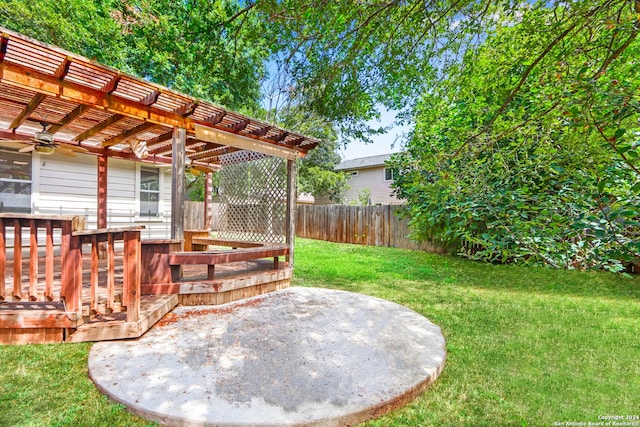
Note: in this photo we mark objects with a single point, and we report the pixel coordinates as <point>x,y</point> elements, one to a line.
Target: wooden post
<point>102,191</point>
<point>71,275</point>
<point>111,272</point>
<point>208,187</point>
<point>33,260</point>
<point>177,187</point>
<point>17,260</point>
<point>102,200</point>
<point>290,226</point>
<point>48,268</point>
<point>3,259</point>
<point>132,274</point>
<point>93,308</point>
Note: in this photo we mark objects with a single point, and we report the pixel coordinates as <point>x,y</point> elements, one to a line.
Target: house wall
<point>68,186</point>
<point>373,179</point>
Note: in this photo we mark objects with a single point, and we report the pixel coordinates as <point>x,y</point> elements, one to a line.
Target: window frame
<point>28,160</point>
<point>140,191</point>
<point>385,174</point>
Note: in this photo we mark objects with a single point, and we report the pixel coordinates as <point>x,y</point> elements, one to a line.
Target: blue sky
<point>382,144</point>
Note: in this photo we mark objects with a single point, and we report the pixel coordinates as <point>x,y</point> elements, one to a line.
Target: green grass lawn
<point>526,346</point>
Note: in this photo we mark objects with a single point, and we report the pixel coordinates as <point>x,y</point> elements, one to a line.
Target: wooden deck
<point>29,322</point>
<point>108,284</point>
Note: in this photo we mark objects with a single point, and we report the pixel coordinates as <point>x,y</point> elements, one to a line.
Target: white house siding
<point>372,179</point>
<point>68,185</point>
<point>65,185</point>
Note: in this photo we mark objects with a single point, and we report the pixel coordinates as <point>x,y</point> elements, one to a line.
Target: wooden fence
<point>194,215</point>
<point>363,225</point>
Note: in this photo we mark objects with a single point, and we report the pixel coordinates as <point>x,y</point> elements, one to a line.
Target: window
<point>15,182</point>
<point>388,174</point>
<point>352,174</point>
<point>149,192</point>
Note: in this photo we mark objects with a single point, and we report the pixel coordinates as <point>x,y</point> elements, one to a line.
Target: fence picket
<point>365,225</point>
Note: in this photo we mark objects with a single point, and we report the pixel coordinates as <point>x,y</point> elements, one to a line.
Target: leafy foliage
<point>539,165</point>
<point>316,174</point>
<point>196,46</point>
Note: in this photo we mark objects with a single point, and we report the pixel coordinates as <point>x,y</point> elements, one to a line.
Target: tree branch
<point>524,77</point>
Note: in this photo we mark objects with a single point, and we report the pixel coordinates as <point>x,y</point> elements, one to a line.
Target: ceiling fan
<point>43,143</point>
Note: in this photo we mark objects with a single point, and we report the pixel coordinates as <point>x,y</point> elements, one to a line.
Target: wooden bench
<point>200,240</point>
<point>211,258</point>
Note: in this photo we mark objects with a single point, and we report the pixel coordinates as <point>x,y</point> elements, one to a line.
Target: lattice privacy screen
<point>253,191</point>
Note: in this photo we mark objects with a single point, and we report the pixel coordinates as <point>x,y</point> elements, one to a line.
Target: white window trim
<point>384,174</point>
<point>33,182</point>
<point>138,180</point>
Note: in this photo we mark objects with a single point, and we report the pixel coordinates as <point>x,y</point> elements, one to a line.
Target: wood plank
<point>17,260</point>
<point>30,108</point>
<point>290,217</point>
<point>131,279</point>
<point>223,257</point>
<point>159,288</point>
<point>93,304</point>
<point>99,127</point>
<point>37,314</point>
<point>217,242</point>
<point>31,336</point>
<point>144,127</point>
<point>49,256</point>
<point>228,284</point>
<point>66,120</point>
<point>33,260</point>
<point>3,259</point>
<point>231,295</point>
<point>111,273</point>
<point>154,307</point>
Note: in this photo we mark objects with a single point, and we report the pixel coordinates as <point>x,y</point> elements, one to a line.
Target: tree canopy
<point>199,47</point>
<point>525,115</point>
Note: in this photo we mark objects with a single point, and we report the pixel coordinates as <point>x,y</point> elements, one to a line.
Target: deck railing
<point>33,226</point>
<point>131,268</point>
<point>41,231</point>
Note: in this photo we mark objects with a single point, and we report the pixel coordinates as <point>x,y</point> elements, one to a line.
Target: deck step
<point>36,314</point>
<point>114,327</point>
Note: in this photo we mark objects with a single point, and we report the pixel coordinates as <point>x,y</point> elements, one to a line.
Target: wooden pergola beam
<point>30,108</point>
<point>20,76</point>
<point>74,114</point>
<point>279,138</point>
<point>144,127</point>
<point>63,69</point>
<point>243,142</point>
<point>99,127</point>
<point>216,118</point>
<point>112,84</point>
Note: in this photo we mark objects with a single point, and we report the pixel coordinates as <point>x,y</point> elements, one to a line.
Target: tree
<point>526,115</point>
<point>316,174</point>
<point>541,164</point>
<point>194,46</point>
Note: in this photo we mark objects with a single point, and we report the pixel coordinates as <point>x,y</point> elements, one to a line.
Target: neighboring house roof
<point>363,162</point>
<point>306,198</point>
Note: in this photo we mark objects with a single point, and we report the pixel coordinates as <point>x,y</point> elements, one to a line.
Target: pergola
<point>105,112</point>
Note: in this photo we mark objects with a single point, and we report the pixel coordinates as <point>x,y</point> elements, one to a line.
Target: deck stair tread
<point>115,326</point>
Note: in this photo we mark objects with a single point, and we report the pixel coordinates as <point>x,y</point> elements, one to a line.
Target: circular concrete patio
<point>300,356</point>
